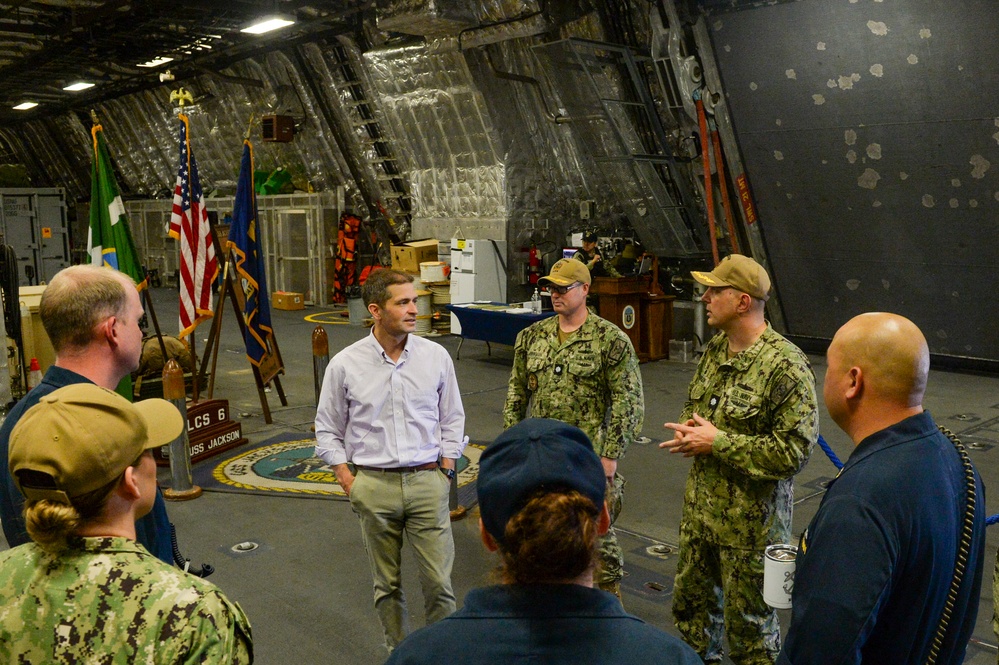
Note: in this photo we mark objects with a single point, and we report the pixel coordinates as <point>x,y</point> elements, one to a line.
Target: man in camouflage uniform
<point>85,591</point>
<point>749,423</point>
<point>581,369</point>
<point>591,257</point>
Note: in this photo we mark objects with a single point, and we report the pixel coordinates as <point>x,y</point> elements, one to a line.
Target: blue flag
<point>244,241</point>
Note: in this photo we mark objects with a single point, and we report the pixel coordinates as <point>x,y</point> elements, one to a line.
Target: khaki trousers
<point>390,504</point>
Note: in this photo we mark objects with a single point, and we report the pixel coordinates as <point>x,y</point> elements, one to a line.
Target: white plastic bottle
<point>536,302</point>
<point>34,374</point>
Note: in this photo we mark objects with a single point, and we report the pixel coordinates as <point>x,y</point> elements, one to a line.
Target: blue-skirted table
<point>492,322</point>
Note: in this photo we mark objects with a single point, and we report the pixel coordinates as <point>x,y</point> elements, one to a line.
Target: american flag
<point>189,224</point>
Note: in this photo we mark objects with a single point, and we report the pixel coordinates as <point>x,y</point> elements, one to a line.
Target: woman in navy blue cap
<point>541,498</point>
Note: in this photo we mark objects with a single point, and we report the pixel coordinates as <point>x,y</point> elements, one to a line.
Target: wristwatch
<point>447,472</point>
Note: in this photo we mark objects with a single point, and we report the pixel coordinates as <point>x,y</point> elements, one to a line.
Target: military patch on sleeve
<point>618,350</point>
<point>782,389</point>
<point>532,382</point>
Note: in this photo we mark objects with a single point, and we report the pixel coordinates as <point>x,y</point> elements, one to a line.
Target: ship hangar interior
<point>844,144</point>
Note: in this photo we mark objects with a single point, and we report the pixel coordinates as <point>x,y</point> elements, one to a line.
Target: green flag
<point>109,240</point>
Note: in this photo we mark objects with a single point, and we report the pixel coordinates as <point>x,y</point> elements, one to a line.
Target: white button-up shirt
<point>380,413</point>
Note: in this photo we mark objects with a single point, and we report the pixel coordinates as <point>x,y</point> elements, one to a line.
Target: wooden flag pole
<point>227,285</point>
<point>272,366</point>
<point>156,324</point>
<point>216,333</point>
<point>194,364</point>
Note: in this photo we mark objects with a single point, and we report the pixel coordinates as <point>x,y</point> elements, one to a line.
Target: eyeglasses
<point>562,290</point>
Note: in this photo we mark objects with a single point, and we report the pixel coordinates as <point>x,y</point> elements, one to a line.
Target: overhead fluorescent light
<point>24,106</point>
<point>269,23</point>
<point>79,85</point>
<point>155,62</point>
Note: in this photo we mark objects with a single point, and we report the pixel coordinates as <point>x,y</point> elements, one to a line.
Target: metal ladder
<point>393,198</point>
<point>638,128</point>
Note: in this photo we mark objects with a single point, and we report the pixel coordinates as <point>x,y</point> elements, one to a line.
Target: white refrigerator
<point>477,273</point>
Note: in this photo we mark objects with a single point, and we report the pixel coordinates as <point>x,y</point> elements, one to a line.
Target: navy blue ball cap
<point>535,453</point>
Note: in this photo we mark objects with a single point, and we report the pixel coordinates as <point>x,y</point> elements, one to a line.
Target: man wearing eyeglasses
<point>581,369</point>
<point>750,421</point>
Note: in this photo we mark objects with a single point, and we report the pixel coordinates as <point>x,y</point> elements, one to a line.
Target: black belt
<point>399,469</point>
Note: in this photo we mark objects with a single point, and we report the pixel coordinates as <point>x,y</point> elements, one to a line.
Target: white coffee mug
<point>778,575</point>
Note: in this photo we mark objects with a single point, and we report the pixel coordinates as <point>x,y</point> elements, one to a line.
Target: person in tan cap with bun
<point>581,369</point>
<point>84,590</point>
<point>749,423</point>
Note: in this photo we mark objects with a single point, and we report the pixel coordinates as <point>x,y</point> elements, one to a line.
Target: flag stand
<point>211,431</point>
<point>270,367</point>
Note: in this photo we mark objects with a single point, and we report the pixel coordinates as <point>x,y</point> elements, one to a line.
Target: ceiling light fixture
<point>155,62</point>
<point>269,23</point>
<point>80,85</point>
<point>24,106</point>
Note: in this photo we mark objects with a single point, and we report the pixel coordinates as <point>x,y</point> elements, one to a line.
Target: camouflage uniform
<point>108,600</point>
<point>738,498</point>
<point>600,269</point>
<point>592,381</point>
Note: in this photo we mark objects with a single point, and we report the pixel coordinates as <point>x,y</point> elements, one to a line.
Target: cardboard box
<point>287,300</point>
<point>408,256</point>
<point>36,341</point>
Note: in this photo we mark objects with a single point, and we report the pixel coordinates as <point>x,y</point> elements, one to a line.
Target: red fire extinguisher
<point>533,265</point>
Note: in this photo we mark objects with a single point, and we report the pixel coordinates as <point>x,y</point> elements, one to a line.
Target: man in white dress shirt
<point>390,406</point>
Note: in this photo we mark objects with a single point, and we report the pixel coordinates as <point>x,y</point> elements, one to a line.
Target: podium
<point>656,317</point>
<point>646,318</point>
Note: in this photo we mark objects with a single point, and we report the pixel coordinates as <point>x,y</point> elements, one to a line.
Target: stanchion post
<point>182,486</point>
<point>320,357</point>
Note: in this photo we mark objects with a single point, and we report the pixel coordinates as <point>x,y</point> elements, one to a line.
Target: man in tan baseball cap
<point>583,370</point>
<point>750,421</point>
<point>566,272</point>
<point>739,272</point>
